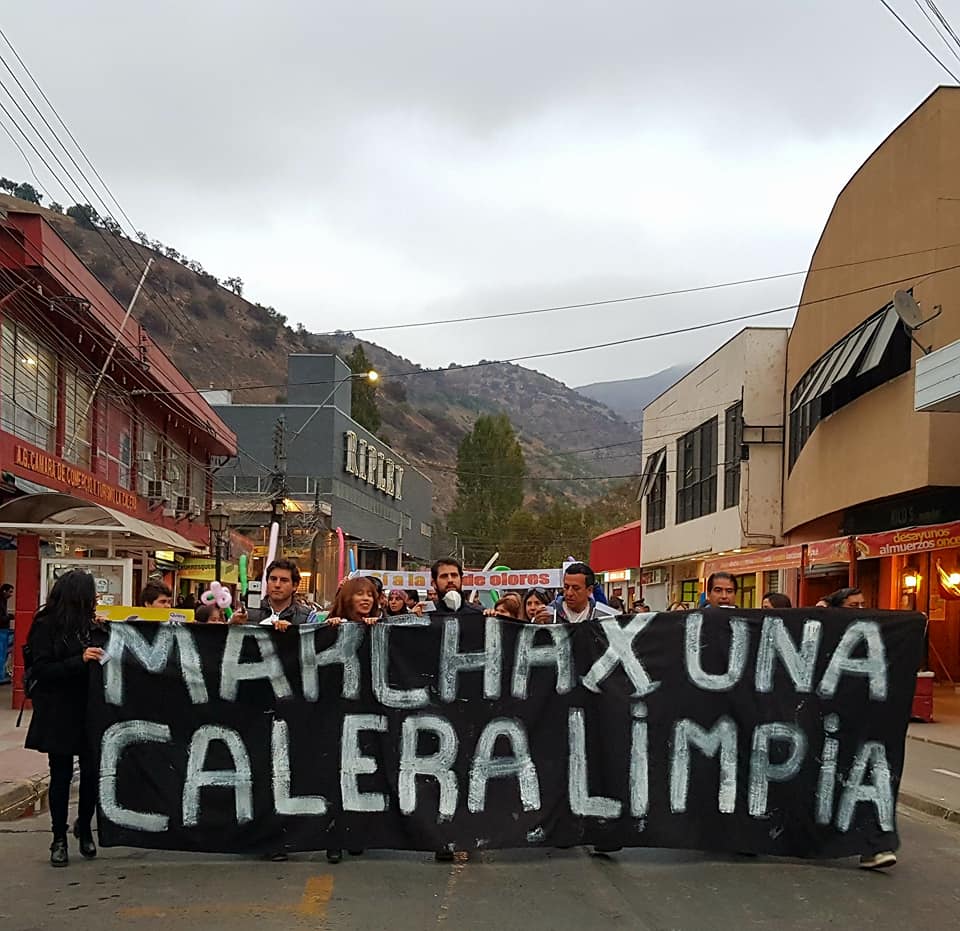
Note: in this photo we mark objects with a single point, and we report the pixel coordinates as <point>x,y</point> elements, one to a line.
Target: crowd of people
<point>67,636</point>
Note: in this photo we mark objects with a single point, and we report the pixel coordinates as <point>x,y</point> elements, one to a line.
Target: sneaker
<point>334,855</point>
<point>878,861</point>
<point>443,856</point>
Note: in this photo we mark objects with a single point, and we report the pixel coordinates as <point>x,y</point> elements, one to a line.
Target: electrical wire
<point>920,41</point>
<point>933,23</point>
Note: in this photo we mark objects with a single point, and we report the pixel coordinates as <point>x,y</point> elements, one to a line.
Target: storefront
<point>615,557</point>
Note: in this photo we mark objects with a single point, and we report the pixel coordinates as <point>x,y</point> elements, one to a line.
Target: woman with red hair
<point>357,600</point>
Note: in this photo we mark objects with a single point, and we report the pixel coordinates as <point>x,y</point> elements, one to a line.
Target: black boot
<point>88,849</point>
<point>334,855</point>
<point>58,851</point>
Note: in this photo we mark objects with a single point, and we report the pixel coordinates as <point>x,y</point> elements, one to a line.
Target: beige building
<point>713,452</point>
<point>862,463</point>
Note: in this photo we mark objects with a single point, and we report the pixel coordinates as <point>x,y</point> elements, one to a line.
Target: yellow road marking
<point>316,896</point>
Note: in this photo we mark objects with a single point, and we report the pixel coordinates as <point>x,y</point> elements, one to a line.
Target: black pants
<point>61,774</point>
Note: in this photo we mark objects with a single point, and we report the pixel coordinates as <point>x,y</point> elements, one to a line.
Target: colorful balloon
<point>217,595</point>
<point>242,573</point>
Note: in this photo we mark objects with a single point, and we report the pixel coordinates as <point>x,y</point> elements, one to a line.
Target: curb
<point>22,797</point>
<point>930,740</point>
<point>929,807</point>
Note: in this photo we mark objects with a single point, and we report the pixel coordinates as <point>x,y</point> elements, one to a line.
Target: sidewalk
<point>23,773</point>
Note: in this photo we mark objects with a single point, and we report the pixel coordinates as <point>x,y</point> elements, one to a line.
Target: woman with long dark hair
<point>64,639</point>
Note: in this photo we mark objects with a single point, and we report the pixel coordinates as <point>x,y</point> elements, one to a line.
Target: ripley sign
<point>712,730</point>
<point>374,468</point>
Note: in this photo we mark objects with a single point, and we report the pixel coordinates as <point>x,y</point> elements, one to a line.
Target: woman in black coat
<point>63,640</point>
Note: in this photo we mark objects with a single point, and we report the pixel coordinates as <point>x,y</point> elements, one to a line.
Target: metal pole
<point>218,538</point>
<point>109,359</point>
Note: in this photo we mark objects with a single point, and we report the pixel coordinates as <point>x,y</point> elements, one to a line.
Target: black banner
<point>715,730</point>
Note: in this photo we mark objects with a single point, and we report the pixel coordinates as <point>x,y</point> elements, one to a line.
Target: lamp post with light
<point>218,520</point>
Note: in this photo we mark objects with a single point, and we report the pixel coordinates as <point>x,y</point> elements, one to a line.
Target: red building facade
<point>95,420</point>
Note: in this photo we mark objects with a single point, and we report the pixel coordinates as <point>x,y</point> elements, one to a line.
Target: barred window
<point>697,472</point>
<point>732,446</point>
<point>28,385</point>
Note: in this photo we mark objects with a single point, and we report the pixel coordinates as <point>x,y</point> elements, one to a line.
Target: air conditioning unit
<point>158,491</point>
<point>169,512</point>
<point>185,505</point>
<point>144,456</point>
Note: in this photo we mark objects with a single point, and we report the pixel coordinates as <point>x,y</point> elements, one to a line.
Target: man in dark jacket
<point>447,577</point>
<point>6,615</point>
<point>279,606</point>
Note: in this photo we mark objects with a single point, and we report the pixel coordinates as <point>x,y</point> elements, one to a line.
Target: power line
<point>637,297</point>
<point>920,41</point>
<point>936,29</point>
<point>412,373</point>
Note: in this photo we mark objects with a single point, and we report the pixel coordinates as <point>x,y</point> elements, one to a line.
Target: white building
<point>713,465</point>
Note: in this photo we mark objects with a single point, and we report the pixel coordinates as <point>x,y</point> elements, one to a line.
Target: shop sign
<point>826,552</point>
<point>655,576</point>
<point>620,575</point>
<point>373,467</point>
<point>911,540</point>
<point>203,569</point>
<point>479,581</point>
<point>40,463</point>
<point>779,557</point>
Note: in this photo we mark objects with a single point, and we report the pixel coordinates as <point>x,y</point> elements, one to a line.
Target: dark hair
<point>446,561</point>
<point>6,588</point>
<point>343,603</point>
<point>154,590</point>
<point>288,565</point>
<point>581,568</point>
<point>720,575</point>
<point>202,614</point>
<point>778,600</point>
<point>837,598</point>
<point>72,604</point>
<point>618,604</point>
<point>412,594</point>
<point>377,583</point>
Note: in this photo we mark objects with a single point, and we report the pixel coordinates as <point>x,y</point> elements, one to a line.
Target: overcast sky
<point>363,163</point>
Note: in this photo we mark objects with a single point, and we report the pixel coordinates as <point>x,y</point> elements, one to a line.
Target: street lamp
<point>218,520</point>
<point>372,376</point>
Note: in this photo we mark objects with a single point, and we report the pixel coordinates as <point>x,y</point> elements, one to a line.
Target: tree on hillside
<point>7,185</point>
<point>27,192</point>
<point>234,284</point>
<point>84,215</point>
<point>55,207</point>
<point>363,405</point>
<point>490,473</point>
<point>112,226</point>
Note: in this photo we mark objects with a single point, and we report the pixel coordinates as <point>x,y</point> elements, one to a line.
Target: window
<point>697,472</point>
<point>747,590</point>
<point>149,459</point>
<point>77,420</point>
<point>877,351</point>
<point>657,494</point>
<point>175,470</point>
<point>119,447</point>
<point>690,592</point>
<point>198,485</point>
<point>732,443</point>
<point>28,384</point>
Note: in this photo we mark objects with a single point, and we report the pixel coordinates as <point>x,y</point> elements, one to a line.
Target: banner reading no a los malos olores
<point>712,730</point>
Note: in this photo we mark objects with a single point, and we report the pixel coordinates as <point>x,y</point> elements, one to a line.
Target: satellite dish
<point>908,310</point>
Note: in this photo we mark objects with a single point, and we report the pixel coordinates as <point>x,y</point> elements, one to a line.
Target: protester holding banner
<point>721,590</point>
<point>577,602</point>
<point>533,601</point>
<point>776,601</point>
<point>447,577</point>
<point>64,639</point>
<point>846,598</point>
<point>358,601</point>
<point>279,606</point>
<point>507,606</point>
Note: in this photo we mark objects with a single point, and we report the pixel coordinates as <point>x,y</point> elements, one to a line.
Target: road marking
<point>316,895</point>
<point>946,772</point>
<point>313,903</point>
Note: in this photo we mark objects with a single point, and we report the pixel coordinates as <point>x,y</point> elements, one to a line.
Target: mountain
<point>216,338</point>
<point>629,396</point>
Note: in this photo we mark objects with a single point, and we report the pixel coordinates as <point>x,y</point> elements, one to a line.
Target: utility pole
<point>279,477</point>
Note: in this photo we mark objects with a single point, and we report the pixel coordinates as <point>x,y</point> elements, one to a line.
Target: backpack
<point>29,679</point>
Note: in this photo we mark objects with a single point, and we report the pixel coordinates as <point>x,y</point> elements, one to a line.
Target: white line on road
<point>946,772</point>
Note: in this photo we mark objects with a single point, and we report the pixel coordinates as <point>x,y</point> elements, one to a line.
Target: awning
<point>924,539</point>
<point>87,524</point>
<point>650,470</point>
<point>777,557</point>
<point>616,549</point>
<point>856,354</point>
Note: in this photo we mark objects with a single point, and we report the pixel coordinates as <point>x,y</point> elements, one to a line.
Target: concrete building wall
<point>896,224</point>
<point>748,367</point>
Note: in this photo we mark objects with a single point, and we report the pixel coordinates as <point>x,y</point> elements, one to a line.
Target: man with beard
<point>447,577</point>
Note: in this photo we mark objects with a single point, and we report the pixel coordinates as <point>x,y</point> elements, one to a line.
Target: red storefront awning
<point>909,540</point>
<point>616,549</point>
<point>778,557</point>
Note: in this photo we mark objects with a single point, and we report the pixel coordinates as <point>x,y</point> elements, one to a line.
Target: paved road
<point>527,890</point>
<point>933,771</point>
